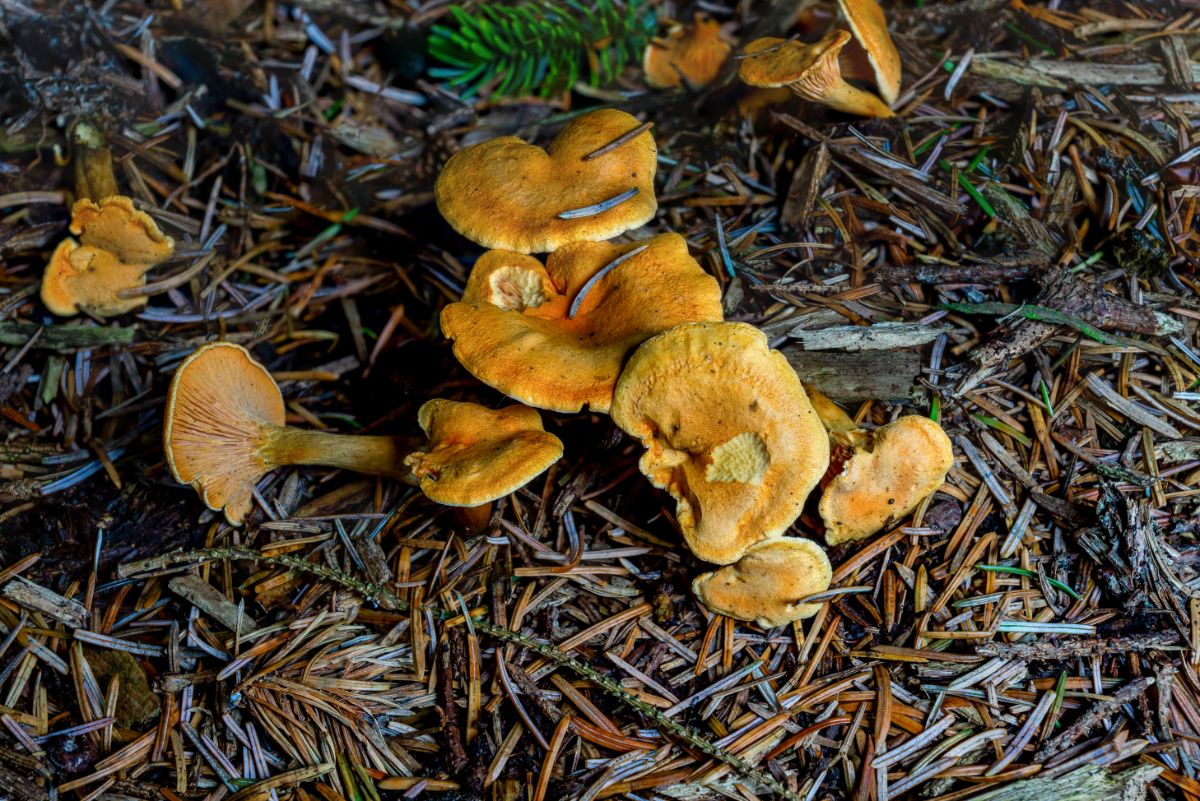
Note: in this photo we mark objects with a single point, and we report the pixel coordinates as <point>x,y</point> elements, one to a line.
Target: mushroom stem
<point>374,455</point>
<point>474,519</point>
<point>94,176</point>
<point>844,97</point>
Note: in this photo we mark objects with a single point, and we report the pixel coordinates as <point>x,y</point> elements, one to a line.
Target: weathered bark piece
<point>1089,783</point>
<point>1070,649</point>
<point>805,188</point>
<point>37,598</point>
<point>202,595</point>
<point>868,375</point>
<point>880,336</point>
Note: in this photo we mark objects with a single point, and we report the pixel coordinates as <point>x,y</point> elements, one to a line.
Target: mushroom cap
<point>82,277</point>
<point>117,246</point>
<point>907,460</point>
<point>512,330</point>
<point>116,226</point>
<point>506,194</point>
<point>477,455</point>
<point>869,26</point>
<point>728,432</point>
<point>695,52</point>
<point>221,406</point>
<point>810,69</point>
<point>766,582</point>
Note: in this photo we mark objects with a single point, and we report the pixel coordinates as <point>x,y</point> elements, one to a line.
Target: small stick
<point>628,136</point>
<point>598,208</point>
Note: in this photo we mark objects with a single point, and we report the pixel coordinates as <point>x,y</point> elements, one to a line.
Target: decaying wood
<point>805,188</point>
<point>880,336</point>
<point>865,375</point>
<point>1090,783</point>
<point>205,597</point>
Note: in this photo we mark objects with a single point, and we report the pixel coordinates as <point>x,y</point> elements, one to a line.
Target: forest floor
<point>1029,217</point>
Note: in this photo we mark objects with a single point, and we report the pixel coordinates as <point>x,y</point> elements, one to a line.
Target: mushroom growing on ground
<point>94,176</point>
<point>812,71</point>
<point>872,44</point>
<point>556,337</point>
<point>690,53</point>
<point>477,455</point>
<point>886,479</point>
<point>765,584</point>
<point>225,429</point>
<point>728,432</point>
<point>592,183</point>
<point>117,246</point>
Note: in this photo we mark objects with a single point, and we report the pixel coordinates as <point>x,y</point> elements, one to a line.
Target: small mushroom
<point>811,71</point>
<point>556,337</point>
<point>477,455</point>
<point>117,246</point>
<point>767,582</point>
<point>225,429</point>
<point>728,432</point>
<point>589,184</point>
<point>873,44</point>
<point>886,479</point>
<point>692,53</point>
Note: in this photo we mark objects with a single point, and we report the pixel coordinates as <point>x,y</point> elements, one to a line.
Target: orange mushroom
<point>225,429</point>
<point>767,583</point>
<point>693,53</point>
<point>812,71</point>
<point>591,183</point>
<point>873,44</point>
<point>556,337</point>
<point>117,246</point>
<point>477,455</point>
<point>94,176</point>
<point>904,462</point>
<point>728,432</point>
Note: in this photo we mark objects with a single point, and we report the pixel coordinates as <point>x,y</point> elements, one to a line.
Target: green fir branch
<point>540,47</point>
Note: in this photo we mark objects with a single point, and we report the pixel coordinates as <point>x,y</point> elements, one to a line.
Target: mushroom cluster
<point>634,330</point>
<point>861,50</point>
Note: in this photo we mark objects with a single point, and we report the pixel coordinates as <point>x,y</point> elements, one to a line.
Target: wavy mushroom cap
<point>220,407</point>
<point>766,583</point>
<point>117,246</point>
<point>81,277</point>
<point>116,226</point>
<point>728,432</point>
<point>905,462</point>
<point>869,26</point>
<point>513,329</point>
<point>477,455</point>
<point>509,195</point>
<point>694,53</point>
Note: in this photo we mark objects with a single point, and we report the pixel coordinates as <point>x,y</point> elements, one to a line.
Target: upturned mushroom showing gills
<point>728,432</point>
<point>477,455</point>
<point>593,182</point>
<point>225,429</point>
<point>117,246</point>
<point>556,336</point>
<point>766,583</point>
<point>873,44</point>
<point>886,479</point>
<point>691,54</point>
<point>811,71</point>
